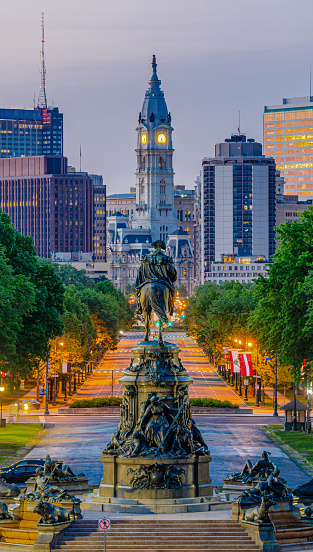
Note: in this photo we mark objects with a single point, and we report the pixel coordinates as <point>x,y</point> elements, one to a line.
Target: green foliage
<point>216,314</point>
<point>212,403</point>
<point>17,300</point>
<point>70,276</point>
<point>96,402</point>
<point>283,319</point>
<point>79,333</point>
<point>103,311</point>
<point>182,290</point>
<point>34,282</point>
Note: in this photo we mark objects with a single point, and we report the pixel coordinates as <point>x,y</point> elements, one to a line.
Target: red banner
<point>234,359</point>
<point>246,367</point>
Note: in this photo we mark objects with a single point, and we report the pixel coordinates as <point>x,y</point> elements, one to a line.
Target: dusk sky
<point>215,57</point>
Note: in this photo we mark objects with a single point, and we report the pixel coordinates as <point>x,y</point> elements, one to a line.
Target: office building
<point>237,202</point>
<point>237,268</point>
<point>31,132</point>
<point>46,202</point>
<point>288,137</point>
<point>288,208</point>
<point>99,218</point>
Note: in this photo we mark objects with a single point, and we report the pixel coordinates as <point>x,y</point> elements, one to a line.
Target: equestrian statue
<point>155,287</point>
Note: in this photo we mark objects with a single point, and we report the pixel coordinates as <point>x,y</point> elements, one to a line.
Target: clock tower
<point>154,174</point>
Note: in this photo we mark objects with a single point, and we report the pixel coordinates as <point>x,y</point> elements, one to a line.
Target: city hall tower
<point>154,174</point>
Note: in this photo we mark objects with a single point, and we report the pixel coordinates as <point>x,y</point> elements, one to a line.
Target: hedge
<point>96,402</point>
<point>116,401</point>
<point>212,403</point>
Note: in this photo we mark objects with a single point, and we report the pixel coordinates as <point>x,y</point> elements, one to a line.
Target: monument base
<point>150,478</point>
<point>71,485</point>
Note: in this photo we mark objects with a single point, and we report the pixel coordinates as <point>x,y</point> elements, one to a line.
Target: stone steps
<point>162,536</point>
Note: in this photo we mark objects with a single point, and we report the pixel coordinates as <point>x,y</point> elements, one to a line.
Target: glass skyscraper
<point>288,137</point>
<point>29,132</point>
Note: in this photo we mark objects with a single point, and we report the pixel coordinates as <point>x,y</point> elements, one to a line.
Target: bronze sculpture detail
<point>154,287</point>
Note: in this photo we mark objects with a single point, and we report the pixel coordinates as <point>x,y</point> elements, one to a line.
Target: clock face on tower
<point>161,138</point>
<point>143,139</point>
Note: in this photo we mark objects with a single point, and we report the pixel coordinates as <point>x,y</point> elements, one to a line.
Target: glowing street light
<point>1,395</point>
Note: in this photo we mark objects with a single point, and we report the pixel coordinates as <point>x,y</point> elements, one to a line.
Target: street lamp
<point>1,395</point>
<point>275,413</point>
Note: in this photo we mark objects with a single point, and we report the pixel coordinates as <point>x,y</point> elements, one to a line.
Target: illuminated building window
<point>289,115</point>
<point>268,116</point>
<point>300,115</point>
<point>280,116</point>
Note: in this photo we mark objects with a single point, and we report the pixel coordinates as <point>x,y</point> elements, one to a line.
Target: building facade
<point>99,219</point>
<point>125,203</point>
<point>31,132</point>
<point>46,202</point>
<point>288,137</point>
<point>148,212</point>
<point>239,269</point>
<point>237,202</point>
<point>154,174</point>
<point>288,208</point>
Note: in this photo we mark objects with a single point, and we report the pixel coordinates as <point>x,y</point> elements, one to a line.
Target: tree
<point>70,276</point>
<point>283,319</point>
<point>17,299</point>
<point>42,322</point>
<point>79,333</point>
<point>216,314</point>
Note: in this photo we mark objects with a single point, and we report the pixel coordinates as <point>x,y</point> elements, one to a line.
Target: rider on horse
<point>154,285</point>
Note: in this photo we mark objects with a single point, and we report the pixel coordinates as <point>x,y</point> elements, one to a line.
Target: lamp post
<point>46,413</point>
<point>308,406</point>
<point>1,395</point>
<point>275,413</point>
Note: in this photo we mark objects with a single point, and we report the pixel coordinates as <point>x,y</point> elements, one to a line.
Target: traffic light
<point>170,323</point>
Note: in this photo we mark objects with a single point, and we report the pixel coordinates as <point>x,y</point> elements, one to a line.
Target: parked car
<point>21,471</point>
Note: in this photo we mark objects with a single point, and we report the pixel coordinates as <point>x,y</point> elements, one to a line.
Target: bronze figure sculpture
<point>154,287</point>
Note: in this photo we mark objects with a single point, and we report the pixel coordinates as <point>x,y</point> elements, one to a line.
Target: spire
<point>154,81</point>
<point>154,64</point>
<point>42,98</point>
<point>154,110</point>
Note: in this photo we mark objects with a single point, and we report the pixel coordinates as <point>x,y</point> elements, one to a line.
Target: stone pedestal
<point>157,452</point>
<point>118,474</point>
<point>79,485</point>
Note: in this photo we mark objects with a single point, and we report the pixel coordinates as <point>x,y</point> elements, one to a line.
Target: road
<point>231,440</point>
<point>79,440</point>
<point>206,382</point>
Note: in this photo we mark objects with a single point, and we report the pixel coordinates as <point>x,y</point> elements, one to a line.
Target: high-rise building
<point>155,175</point>
<point>31,132</point>
<point>99,218</point>
<point>288,137</point>
<point>237,202</point>
<point>46,202</point>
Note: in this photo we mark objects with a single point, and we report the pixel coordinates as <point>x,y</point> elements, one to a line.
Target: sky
<point>215,58</point>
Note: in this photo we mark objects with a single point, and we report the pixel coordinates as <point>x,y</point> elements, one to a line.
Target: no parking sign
<point>104,525</point>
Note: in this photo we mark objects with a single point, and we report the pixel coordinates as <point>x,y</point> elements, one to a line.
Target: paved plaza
<point>230,440</point>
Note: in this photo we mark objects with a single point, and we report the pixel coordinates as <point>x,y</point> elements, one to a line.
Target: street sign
<point>104,524</point>
<point>41,391</point>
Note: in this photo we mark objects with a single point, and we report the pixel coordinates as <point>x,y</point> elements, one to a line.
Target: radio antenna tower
<point>42,98</point>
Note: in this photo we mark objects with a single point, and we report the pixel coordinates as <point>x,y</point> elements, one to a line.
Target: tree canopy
<point>216,314</point>
<point>36,295</point>
<point>283,319</point>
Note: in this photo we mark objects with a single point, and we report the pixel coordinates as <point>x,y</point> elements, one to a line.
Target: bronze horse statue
<point>154,287</point>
